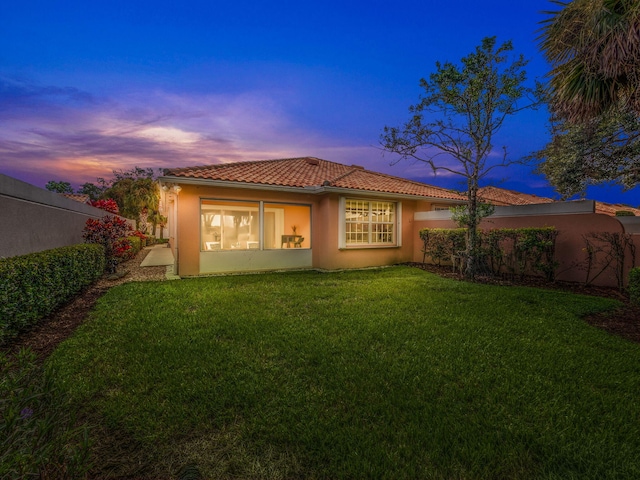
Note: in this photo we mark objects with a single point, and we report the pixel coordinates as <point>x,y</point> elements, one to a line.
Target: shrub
<point>625,213</point>
<point>510,251</point>
<point>39,437</point>
<point>442,244</point>
<point>109,231</point>
<point>634,285</point>
<point>108,205</point>
<point>522,251</point>
<point>136,245</point>
<point>143,238</point>
<point>34,285</point>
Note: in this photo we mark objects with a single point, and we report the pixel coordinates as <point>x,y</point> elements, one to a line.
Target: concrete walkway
<point>159,256</point>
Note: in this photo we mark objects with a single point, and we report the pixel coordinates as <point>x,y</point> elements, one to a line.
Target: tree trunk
<point>471,252</point>
<point>142,220</point>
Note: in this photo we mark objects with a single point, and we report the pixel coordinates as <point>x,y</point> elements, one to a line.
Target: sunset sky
<point>89,87</point>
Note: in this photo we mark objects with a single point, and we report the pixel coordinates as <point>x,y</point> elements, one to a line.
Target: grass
<point>392,373</point>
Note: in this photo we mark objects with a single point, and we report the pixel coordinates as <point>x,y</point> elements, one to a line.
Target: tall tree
<point>91,189</point>
<point>453,126</point>
<point>136,193</point>
<point>143,197</point>
<point>59,187</point>
<point>594,50</point>
<point>594,94</point>
<point>603,149</point>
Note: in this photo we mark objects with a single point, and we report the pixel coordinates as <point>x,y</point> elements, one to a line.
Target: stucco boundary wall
<point>573,220</point>
<point>34,219</point>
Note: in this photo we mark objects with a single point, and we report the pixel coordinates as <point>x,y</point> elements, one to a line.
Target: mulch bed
<point>51,331</point>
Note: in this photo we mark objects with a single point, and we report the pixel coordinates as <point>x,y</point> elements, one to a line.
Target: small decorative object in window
<point>295,229</point>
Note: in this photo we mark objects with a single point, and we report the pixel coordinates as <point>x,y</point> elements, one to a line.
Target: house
<point>78,197</point>
<point>292,214</point>
<point>503,197</point>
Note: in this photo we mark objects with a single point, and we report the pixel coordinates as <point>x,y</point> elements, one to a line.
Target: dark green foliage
<point>441,244</point>
<point>92,190</point>
<point>39,435</point>
<point>634,285</point>
<point>136,245</point>
<point>625,213</point>
<point>602,150</point>
<point>32,286</point>
<point>59,187</point>
<point>521,251</point>
<point>453,128</point>
<point>503,251</point>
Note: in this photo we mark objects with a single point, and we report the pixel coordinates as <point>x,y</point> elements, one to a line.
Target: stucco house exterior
<point>292,214</point>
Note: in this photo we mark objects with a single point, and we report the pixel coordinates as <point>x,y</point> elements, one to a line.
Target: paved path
<point>160,255</point>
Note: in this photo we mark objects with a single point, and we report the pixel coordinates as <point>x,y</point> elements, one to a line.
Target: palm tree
<point>157,219</point>
<point>143,197</point>
<point>594,49</point>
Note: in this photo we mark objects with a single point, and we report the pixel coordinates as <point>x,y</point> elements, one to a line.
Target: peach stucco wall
<point>324,241</point>
<point>330,257</point>
<point>569,243</point>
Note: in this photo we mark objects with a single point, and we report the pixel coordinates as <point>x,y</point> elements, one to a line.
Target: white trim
<point>342,240</point>
<point>342,205</point>
<point>399,224</point>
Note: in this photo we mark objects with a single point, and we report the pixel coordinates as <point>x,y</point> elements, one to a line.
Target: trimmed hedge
<point>504,251</point>
<point>442,243</point>
<point>634,285</point>
<point>34,285</point>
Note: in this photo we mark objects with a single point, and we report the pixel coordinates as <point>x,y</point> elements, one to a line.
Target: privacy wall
<point>586,249</point>
<point>34,219</point>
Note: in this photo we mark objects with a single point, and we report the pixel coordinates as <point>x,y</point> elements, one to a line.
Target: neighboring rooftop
<point>308,172</point>
<point>78,197</point>
<point>501,197</point>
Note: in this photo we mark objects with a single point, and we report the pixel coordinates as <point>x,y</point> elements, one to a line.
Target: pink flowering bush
<point>108,205</point>
<point>110,232</point>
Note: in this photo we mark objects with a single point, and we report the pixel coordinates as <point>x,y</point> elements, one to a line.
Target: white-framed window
<point>367,222</point>
<point>229,225</point>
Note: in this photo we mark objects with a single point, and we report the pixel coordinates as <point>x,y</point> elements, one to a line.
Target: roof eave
<point>379,194</point>
<point>313,190</point>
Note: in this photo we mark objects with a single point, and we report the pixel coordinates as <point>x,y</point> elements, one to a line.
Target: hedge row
<point>503,251</point>
<point>634,285</point>
<point>34,285</point>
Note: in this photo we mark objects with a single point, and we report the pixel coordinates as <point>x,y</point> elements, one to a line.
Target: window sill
<point>368,247</point>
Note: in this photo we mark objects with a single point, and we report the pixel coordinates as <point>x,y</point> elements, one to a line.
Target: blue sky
<point>88,87</point>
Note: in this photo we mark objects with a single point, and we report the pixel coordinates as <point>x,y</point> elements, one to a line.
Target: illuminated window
<point>229,225</point>
<point>287,226</point>
<point>233,225</point>
<point>369,222</point>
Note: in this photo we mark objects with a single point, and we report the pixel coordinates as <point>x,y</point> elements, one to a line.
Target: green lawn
<point>393,373</point>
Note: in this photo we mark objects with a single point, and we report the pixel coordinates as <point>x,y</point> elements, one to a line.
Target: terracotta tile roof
<point>311,172</point>
<point>612,208</point>
<point>78,197</point>
<point>501,197</point>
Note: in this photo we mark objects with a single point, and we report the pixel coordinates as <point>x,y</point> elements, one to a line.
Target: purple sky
<point>88,87</point>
